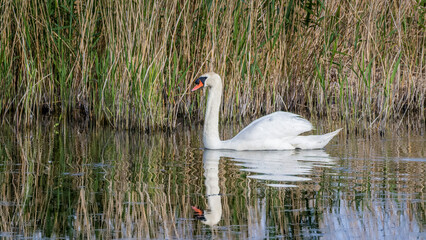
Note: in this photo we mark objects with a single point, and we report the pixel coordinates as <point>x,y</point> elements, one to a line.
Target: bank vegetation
<point>131,64</point>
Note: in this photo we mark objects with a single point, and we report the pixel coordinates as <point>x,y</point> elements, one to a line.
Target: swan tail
<point>313,141</point>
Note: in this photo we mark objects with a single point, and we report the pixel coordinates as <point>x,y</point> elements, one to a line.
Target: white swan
<point>276,131</point>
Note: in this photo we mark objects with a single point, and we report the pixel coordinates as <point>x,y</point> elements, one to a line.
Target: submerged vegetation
<point>131,64</point>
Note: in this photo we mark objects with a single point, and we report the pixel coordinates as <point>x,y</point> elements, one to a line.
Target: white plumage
<point>276,131</point>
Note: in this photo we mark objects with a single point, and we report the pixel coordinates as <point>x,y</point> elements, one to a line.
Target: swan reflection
<point>277,166</point>
<point>211,172</point>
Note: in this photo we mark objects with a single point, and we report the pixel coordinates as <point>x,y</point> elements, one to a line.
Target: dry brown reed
<point>131,64</point>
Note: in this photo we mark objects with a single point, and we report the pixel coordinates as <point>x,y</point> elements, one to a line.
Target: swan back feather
<point>276,125</point>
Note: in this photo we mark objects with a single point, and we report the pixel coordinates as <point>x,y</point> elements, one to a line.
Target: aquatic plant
<point>131,64</point>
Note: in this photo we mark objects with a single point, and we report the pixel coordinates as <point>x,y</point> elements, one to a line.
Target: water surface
<point>68,182</point>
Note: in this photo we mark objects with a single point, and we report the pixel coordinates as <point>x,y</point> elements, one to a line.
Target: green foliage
<point>132,64</point>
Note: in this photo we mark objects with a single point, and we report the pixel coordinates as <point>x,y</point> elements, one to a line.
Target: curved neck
<point>211,138</point>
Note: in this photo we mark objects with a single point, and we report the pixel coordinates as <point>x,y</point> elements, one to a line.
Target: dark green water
<point>71,182</point>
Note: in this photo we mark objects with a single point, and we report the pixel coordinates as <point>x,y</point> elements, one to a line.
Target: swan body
<point>276,131</point>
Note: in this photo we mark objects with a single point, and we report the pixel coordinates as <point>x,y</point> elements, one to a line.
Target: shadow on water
<point>64,181</point>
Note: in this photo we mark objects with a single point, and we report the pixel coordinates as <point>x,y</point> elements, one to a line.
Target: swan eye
<point>200,79</point>
<point>200,83</point>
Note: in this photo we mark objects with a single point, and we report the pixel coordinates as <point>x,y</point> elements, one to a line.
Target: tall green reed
<point>131,65</point>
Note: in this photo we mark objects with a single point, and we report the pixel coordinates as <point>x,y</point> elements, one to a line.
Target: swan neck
<point>211,138</point>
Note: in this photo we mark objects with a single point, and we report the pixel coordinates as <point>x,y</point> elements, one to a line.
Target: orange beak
<point>199,85</point>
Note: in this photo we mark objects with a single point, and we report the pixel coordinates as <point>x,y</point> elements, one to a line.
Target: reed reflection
<point>67,182</point>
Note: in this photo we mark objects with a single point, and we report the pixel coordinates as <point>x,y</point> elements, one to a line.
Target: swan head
<point>210,79</point>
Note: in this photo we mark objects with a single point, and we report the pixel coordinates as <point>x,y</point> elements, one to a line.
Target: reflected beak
<point>199,85</point>
<point>197,210</point>
<point>199,214</point>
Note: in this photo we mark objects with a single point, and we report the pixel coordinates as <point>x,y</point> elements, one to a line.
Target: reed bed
<point>132,64</point>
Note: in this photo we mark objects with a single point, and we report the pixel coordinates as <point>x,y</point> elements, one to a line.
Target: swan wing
<point>276,125</point>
